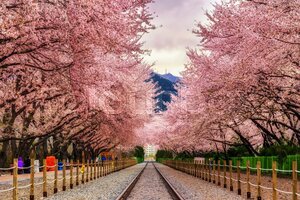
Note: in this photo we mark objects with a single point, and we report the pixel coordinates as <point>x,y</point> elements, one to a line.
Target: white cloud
<point>168,43</point>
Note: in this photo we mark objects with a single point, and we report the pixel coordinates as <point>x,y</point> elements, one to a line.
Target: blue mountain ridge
<point>170,77</point>
<point>165,88</point>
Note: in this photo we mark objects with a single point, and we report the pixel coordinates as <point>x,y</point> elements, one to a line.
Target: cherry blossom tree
<point>242,84</point>
<point>72,75</point>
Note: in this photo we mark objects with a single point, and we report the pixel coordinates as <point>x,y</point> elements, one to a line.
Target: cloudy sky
<point>169,42</point>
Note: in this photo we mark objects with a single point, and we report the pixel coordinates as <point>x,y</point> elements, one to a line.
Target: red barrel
<point>50,160</point>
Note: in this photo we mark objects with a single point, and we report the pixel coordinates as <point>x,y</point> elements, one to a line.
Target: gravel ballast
<point>104,188</point>
<point>193,188</point>
<point>149,186</point>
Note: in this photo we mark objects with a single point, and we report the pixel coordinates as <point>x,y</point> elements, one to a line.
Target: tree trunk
<point>4,162</point>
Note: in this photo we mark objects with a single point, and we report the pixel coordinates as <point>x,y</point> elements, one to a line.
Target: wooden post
<point>31,197</point>
<point>64,175</point>
<point>114,166</point>
<point>195,169</point>
<point>274,180</point>
<point>98,169</point>
<point>295,179</point>
<point>108,167</point>
<point>104,168</point>
<point>95,170</point>
<point>219,178</point>
<point>15,180</point>
<point>230,175</point>
<point>91,173</point>
<point>200,169</point>
<point>100,166</point>
<point>206,170</point>
<point>224,173</point>
<point>248,180</point>
<point>214,171</point>
<point>209,171</point>
<point>77,173</point>
<point>203,170</point>
<point>87,171</point>
<point>101,169</point>
<point>239,177</point>
<point>258,180</point>
<point>45,178</point>
<point>71,174</point>
<point>55,176</point>
<point>82,171</point>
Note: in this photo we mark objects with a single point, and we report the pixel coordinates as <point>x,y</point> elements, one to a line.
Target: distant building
<point>150,150</point>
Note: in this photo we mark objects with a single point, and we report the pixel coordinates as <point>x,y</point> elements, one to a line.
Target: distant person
<point>20,165</point>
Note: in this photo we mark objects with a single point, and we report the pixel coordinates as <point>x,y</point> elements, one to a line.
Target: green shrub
<point>139,159</point>
<point>163,154</point>
<point>139,152</point>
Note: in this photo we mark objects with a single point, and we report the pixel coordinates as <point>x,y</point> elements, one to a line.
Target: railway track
<point>172,193</point>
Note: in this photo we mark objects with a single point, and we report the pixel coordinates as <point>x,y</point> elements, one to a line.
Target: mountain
<point>170,77</point>
<point>165,88</point>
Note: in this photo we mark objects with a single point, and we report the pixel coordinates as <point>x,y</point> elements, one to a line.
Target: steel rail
<point>126,192</point>
<point>172,191</point>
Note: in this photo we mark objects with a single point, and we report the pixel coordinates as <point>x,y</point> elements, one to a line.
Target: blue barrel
<point>60,165</point>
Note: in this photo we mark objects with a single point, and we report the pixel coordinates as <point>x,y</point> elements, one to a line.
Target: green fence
<point>266,161</point>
